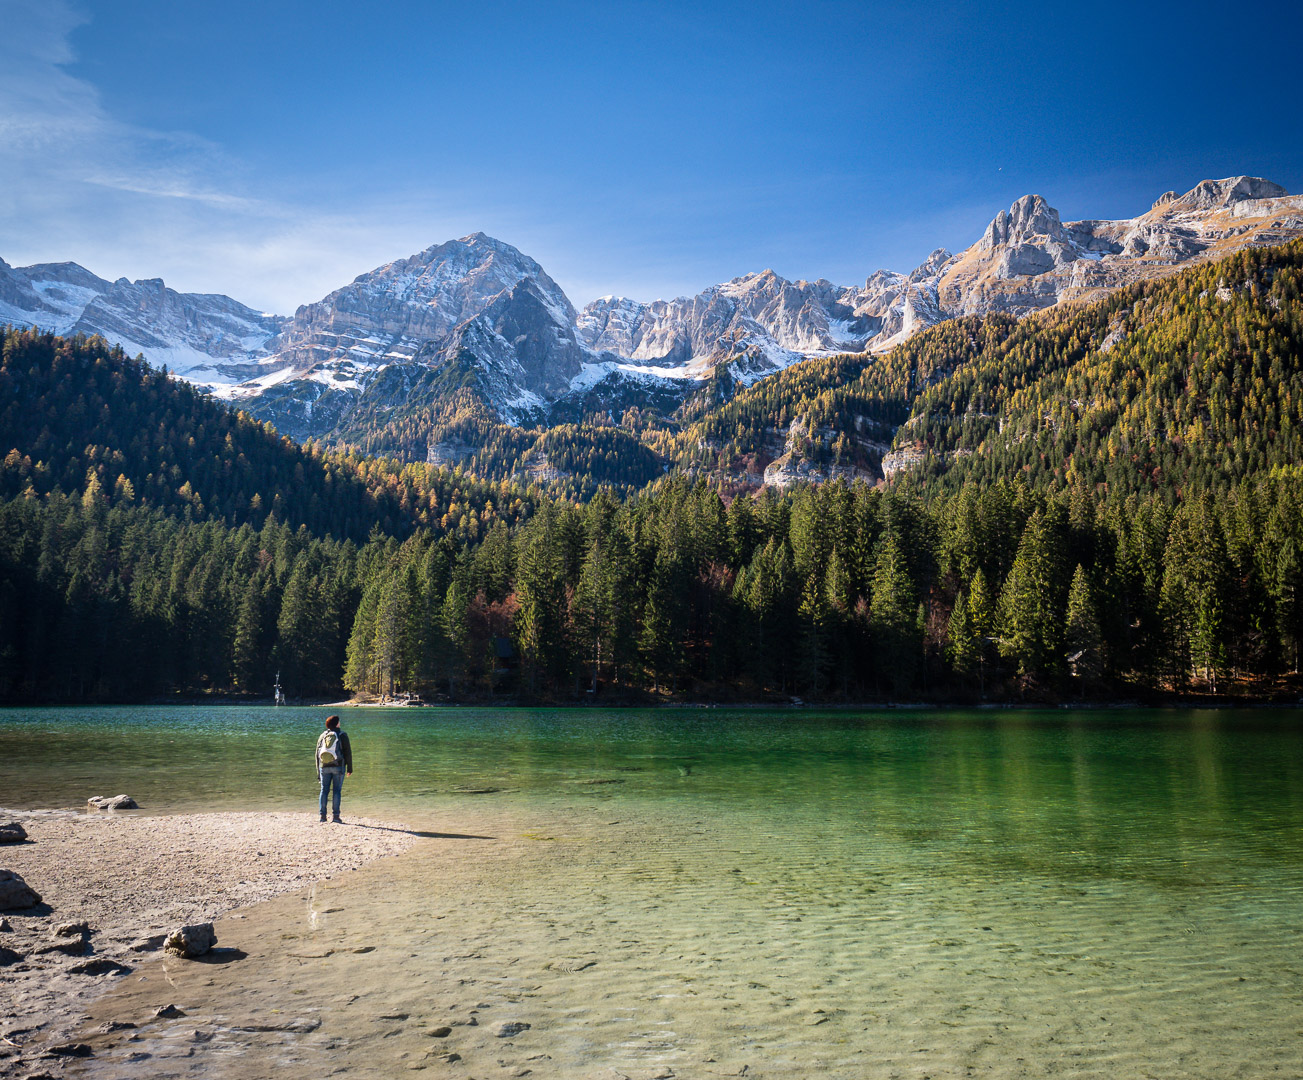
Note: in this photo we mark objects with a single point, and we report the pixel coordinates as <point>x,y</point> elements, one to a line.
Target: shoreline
<point>134,877</point>
<point>1200,702</point>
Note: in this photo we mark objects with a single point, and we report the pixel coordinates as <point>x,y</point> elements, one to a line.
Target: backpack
<point>329,752</point>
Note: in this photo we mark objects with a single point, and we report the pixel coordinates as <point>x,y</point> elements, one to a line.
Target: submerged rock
<point>191,941</point>
<point>15,892</point>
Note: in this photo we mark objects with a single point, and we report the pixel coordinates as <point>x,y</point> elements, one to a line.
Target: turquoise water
<point>1143,792</point>
<point>1177,797</point>
<point>1160,794</point>
<point>1020,893</point>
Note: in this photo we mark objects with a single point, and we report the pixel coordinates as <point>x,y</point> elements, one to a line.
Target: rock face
<point>475,297</point>
<point>111,802</point>
<point>793,466</point>
<point>1028,259</point>
<point>209,339</point>
<point>15,893</point>
<point>191,941</point>
<point>758,323</point>
<point>11,832</point>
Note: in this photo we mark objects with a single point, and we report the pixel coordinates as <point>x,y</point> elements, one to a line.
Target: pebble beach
<point>133,877</point>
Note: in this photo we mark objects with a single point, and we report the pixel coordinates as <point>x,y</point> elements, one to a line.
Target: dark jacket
<point>347,751</point>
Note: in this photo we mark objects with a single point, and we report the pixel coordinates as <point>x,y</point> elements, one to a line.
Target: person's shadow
<point>425,835</point>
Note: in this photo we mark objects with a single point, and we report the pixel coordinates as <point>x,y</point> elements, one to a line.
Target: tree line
<point>844,592</point>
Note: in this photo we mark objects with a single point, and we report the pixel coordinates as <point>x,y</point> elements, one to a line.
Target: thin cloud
<point>77,183</point>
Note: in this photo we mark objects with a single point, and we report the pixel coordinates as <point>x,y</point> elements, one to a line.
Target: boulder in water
<point>111,802</point>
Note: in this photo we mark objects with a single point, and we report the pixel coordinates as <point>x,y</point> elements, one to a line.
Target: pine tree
<point>1194,590</point>
<point>963,643</point>
<point>540,591</point>
<point>1030,612</point>
<point>596,607</point>
<point>360,673</point>
<point>299,629</point>
<point>893,615</point>
<point>1288,589</point>
<point>1083,642</point>
<point>247,653</point>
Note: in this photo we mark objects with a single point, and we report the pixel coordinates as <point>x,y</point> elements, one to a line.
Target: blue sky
<point>275,150</point>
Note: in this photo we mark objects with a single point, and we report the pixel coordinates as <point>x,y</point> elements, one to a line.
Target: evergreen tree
<point>1287,583</point>
<point>1031,606</point>
<point>963,643</point>
<point>247,648</point>
<point>596,607</point>
<point>540,591</point>
<point>893,613</point>
<point>1194,590</point>
<point>1083,642</point>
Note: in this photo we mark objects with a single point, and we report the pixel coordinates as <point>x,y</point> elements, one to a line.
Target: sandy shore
<point>134,877</point>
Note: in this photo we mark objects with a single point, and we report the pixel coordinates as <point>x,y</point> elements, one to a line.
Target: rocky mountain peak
<point>65,273</point>
<point>1218,194</point>
<point>929,267</point>
<point>1029,217</point>
<point>481,304</point>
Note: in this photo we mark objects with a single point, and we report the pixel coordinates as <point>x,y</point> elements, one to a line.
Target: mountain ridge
<point>493,314</point>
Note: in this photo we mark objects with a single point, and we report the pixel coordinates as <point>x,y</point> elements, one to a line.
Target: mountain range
<point>478,314</point>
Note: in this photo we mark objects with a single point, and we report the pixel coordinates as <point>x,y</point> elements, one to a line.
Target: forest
<point>1108,507</point>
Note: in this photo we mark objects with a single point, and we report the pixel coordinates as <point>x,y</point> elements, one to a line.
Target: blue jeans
<point>332,776</point>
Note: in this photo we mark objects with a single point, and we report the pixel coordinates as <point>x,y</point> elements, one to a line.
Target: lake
<point>913,893</point>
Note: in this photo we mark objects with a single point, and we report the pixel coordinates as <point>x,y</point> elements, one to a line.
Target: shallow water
<point>912,894</point>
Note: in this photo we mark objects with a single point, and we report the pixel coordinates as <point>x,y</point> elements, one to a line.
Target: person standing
<point>334,762</point>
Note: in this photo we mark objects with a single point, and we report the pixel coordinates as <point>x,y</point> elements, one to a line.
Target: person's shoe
<point>336,820</point>
<point>323,817</point>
